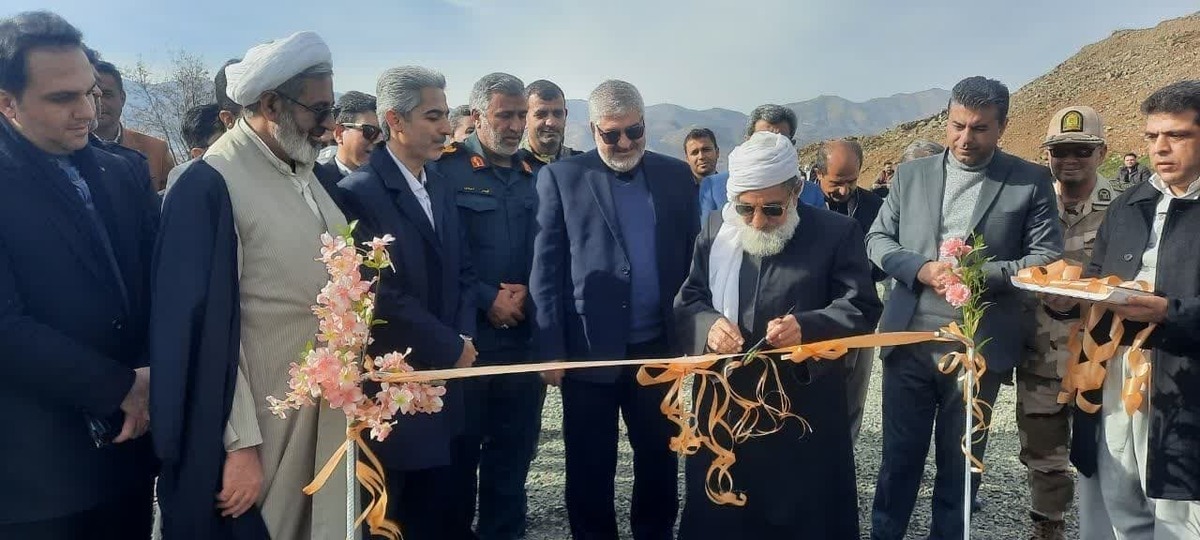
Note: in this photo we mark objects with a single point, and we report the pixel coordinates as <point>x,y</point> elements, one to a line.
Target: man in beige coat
<point>243,231</point>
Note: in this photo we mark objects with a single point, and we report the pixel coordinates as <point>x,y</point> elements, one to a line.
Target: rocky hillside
<point>1113,76</point>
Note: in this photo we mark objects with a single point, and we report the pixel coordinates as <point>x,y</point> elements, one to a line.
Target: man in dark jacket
<point>837,168</point>
<point>1142,469</point>
<point>1131,173</point>
<point>76,229</point>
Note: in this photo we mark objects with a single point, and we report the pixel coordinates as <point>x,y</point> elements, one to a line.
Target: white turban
<point>268,65</point>
<point>766,159</point>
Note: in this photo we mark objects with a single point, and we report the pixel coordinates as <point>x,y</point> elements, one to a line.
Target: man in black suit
<point>356,129</point>
<point>836,169</point>
<point>76,233</point>
<point>616,229</point>
<point>425,300</point>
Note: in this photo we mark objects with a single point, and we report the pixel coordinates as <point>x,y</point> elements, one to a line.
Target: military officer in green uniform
<point>497,202</point>
<point>1075,147</point>
<point>546,129</point>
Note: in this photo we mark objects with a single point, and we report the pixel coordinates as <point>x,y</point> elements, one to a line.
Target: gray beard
<point>295,143</point>
<point>766,243</point>
<point>621,165</point>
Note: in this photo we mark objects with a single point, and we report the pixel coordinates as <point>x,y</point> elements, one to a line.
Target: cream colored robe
<point>278,244</point>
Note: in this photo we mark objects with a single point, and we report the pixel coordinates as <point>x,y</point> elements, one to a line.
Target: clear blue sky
<point>698,53</point>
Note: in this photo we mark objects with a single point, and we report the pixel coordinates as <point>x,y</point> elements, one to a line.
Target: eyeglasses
<point>1067,151</point>
<point>321,115</point>
<point>769,210</point>
<point>633,132</point>
<point>370,132</point>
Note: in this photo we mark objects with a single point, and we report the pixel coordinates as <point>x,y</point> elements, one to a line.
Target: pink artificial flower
<point>381,430</point>
<point>954,248</point>
<point>958,294</point>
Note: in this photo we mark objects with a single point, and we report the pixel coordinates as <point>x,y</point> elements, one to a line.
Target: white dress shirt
<point>417,184</point>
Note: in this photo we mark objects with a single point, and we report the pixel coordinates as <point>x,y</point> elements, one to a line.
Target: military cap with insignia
<point>1078,124</point>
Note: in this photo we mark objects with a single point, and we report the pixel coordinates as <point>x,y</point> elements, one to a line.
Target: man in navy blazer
<point>616,233</point>
<point>77,227</point>
<point>423,299</point>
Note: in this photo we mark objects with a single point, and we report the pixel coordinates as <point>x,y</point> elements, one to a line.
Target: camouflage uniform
<point>1043,423</point>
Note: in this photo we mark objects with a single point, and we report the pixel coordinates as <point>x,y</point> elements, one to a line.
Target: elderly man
<point>110,129</point>
<point>836,169</point>
<point>546,128</point>
<point>1139,469</point>
<point>236,271</point>
<point>461,124</point>
<point>493,188</point>
<point>701,152</point>
<point>773,118</point>
<point>77,227</point>
<point>751,280</point>
<point>1076,148</point>
<point>974,190</point>
<point>428,300</point>
<point>356,130</point>
<point>615,232</point>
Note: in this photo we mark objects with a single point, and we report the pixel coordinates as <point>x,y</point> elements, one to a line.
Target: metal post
<point>351,491</point>
<point>969,391</point>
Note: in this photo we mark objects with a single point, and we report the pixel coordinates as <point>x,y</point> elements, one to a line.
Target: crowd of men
<point>142,332</point>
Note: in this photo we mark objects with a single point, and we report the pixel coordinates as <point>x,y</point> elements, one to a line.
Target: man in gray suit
<point>973,189</point>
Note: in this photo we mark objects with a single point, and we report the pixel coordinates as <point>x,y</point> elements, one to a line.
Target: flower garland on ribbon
<point>334,367</point>
<point>963,288</point>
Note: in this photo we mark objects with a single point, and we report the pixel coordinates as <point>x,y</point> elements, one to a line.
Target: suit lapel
<point>662,214</point>
<point>598,179</point>
<point>439,194</point>
<point>405,199</point>
<point>993,182</point>
<point>936,173</point>
<point>72,219</point>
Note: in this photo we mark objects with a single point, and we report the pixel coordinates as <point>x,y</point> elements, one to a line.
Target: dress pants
<point>858,381</point>
<point>122,519</point>
<point>418,501</point>
<point>503,421</point>
<point>590,412</point>
<point>920,401</point>
<point>1121,471</point>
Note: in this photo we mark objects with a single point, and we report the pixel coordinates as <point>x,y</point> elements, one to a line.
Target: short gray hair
<point>772,114</point>
<point>492,84</point>
<point>293,86</point>
<point>614,98</point>
<point>921,148</point>
<point>399,89</point>
<point>821,165</point>
<point>458,113</point>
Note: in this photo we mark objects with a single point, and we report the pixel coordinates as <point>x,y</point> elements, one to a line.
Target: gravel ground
<point>1006,498</point>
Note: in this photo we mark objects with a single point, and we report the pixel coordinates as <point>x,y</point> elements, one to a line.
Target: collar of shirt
<point>1192,192</point>
<point>279,164</point>
<point>342,166</point>
<point>117,139</point>
<point>544,158</point>
<point>417,183</point>
<point>1085,207</point>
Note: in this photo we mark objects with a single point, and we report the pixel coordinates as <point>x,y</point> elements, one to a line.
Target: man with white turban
<point>751,284</point>
<point>236,272</point>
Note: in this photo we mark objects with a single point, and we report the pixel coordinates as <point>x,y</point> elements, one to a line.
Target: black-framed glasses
<point>1081,152</point>
<point>370,132</point>
<point>320,115</point>
<point>634,132</point>
<point>770,210</point>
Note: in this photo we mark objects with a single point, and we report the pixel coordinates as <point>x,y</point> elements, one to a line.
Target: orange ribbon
<point>1086,369</point>
<point>973,366</point>
<point>370,476</point>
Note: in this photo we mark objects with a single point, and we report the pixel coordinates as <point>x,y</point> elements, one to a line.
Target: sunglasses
<point>1077,151</point>
<point>633,132</point>
<point>370,132</point>
<point>320,115</point>
<point>770,210</point>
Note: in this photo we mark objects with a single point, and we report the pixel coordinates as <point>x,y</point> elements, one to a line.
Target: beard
<point>295,142</point>
<point>763,243</point>
<point>549,138</point>
<point>493,139</point>
<point>623,163</point>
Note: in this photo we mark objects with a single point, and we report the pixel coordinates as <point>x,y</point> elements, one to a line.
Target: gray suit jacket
<point>1018,218</point>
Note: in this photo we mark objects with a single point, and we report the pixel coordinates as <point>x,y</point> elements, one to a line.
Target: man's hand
<point>724,337</point>
<point>136,407</point>
<point>1060,304</point>
<point>241,482</point>
<point>783,332</point>
<point>931,271</point>
<point>520,293</point>
<point>1146,309</point>
<point>552,377</point>
<point>506,310</point>
<point>467,357</point>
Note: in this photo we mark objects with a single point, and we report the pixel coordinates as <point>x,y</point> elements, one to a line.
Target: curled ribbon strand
<point>1086,366</point>
<point>370,476</point>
